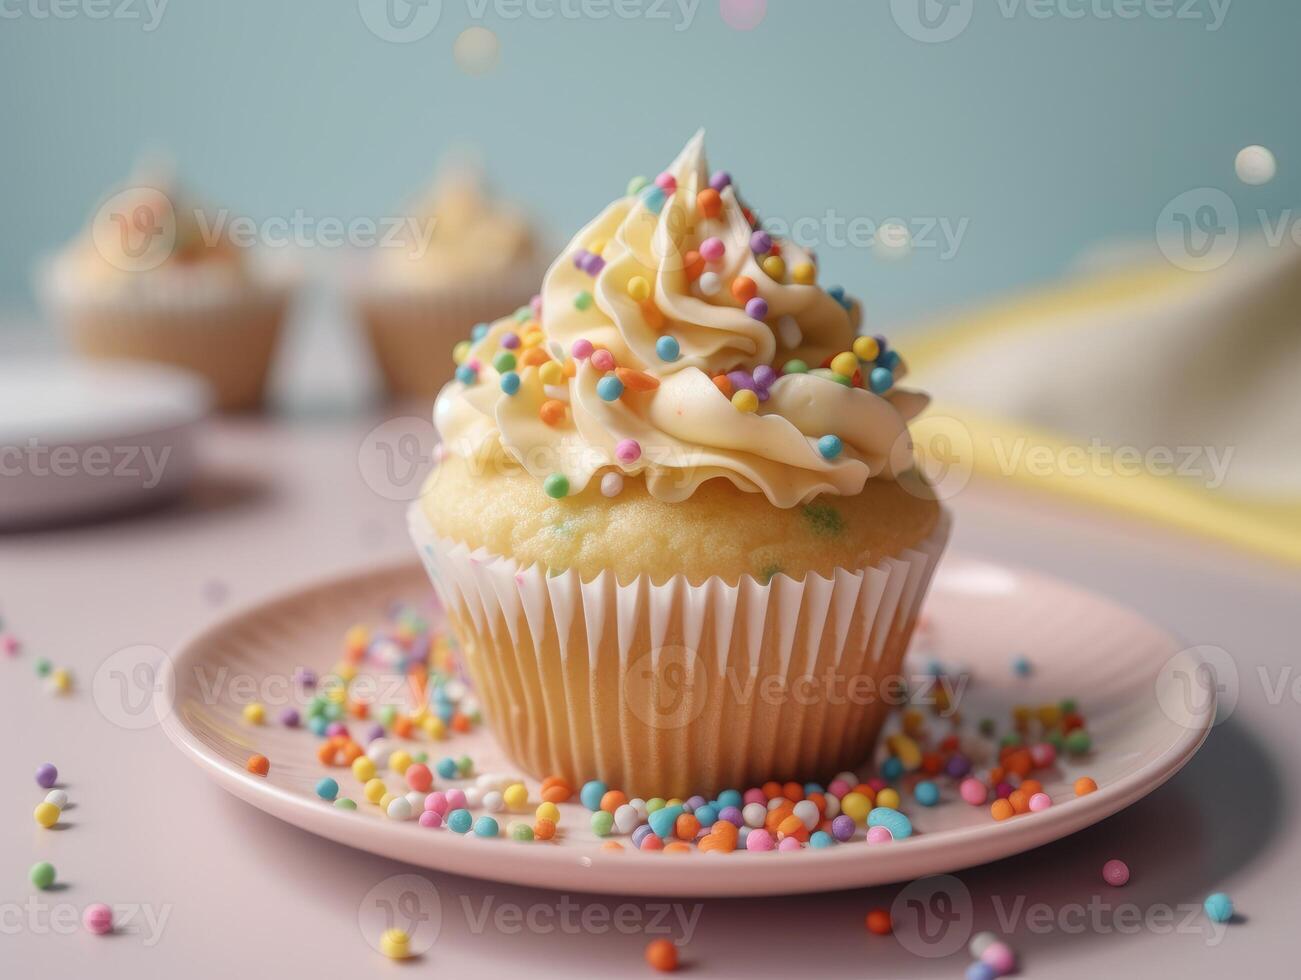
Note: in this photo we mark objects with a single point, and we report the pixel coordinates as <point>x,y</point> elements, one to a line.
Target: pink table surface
<point>283,502</point>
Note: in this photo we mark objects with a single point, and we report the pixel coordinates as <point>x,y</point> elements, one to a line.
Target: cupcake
<point>675,521</point>
<point>156,277</point>
<point>460,258</point>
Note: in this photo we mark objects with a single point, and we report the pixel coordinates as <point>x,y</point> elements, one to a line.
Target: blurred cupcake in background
<point>156,277</point>
<point>462,257</point>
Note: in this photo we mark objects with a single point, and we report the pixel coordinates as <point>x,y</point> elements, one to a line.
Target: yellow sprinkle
<point>806,274</point>
<point>745,400</point>
<point>908,751</point>
<point>548,811</point>
<point>461,351</point>
<point>356,638</point>
<point>47,814</point>
<point>375,790</point>
<point>596,246</point>
<point>61,680</point>
<point>845,364</point>
<point>254,713</point>
<point>888,797</point>
<point>913,720</point>
<point>552,373</point>
<point>516,796</point>
<point>775,267</point>
<point>435,728</point>
<point>531,339</point>
<point>399,761</point>
<point>395,944</point>
<point>363,768</point>
<point>347,672</point>
<point>386,799</point>
<point>639,289</point>
<point>866,348</point>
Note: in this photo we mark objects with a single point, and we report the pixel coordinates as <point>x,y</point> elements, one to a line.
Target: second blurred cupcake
<point>461,259</point>
<point>154,277</point>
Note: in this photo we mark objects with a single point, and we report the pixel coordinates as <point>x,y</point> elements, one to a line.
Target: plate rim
<point>630,872</point>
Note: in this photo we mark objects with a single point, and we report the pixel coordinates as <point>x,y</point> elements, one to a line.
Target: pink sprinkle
<point>431,819</point>
<point>759,840</point>
<point>1003,790</point>
<point>628,450</point>
<point>1115,873</point>
<point>879,835</point>
<point>712,249</point>
<point>1000,957</point>
<point>9,642</point>
<point>455,799</point>
<point>603,360</point>
<point>666,182</point>
<point>838,788</point>
<point>877,784</point>
<point>1043,755</point>
<point>754,795</point>
<point>973,791</point>
<point>1040,801</point>
<point>535,304</point>
<point>436,802</point>
<point>474,364</point>
<point>787,844</point>
<point>581,349</point>
<point>98,918</point>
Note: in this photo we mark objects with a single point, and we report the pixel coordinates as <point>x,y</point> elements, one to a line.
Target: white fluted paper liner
<point>674,689</point>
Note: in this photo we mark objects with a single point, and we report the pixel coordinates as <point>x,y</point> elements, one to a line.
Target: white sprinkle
<point>788,329</point>
<point>612,484</point>
<point>493,802</point>
<point>58,797</point>
<point>399,809</point>
<point>1255,165</point>
<point>709,283</point>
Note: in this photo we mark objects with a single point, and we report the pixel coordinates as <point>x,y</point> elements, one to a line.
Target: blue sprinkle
<point>821,839</point>
<point>1219,907</point>
<point>609,388</point>
<point>318,724</point>
<point>479,332</point>
<point>1021,665</point>
<point>888,359</point>
<point>467,375</point>
<point>706,814</point>
<point>926,793</point>
<point>830,446</point>
<point>891,769</point>
<point>486,827</point>
<point>729,797</point>
<point>881,379</point>
<point>447,767</point>
<point>668,348</point>
<point>654,197</point>
<point>662,821</point>
<point>591,793</point>
<point>460,821</point>
<point>892,820</point>
<point>510,382</point>
<point>811,788</point>
<point>327,788</point>
<point>981,971</point>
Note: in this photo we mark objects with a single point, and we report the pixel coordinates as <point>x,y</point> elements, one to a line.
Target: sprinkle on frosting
<point>676,324</point>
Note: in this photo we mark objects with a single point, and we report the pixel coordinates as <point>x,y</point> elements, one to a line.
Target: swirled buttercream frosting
<point>678,341</point>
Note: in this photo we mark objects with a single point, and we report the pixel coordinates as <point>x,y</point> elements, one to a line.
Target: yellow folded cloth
<point>1170,394</point>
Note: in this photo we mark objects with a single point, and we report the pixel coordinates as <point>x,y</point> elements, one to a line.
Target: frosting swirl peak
<point>675,339</point>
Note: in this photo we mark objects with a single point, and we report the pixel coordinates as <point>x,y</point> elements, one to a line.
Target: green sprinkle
<point>343,803</point>
<point>1078,742</point>
<point>1068,706</point>
<point>1012,739</point>
<point>387,715</point>
<point>43,667</point>
<point>521,831</point>
<point>656,803</point>
<point>42,875</point>
<point>602,823</point>
<point>556,485</point>
<point>824,519</point>
<point>464,766</point>
<point>523,313</point>
<point>795,366</point>
<point>583,300</point>
<point>503,362</point>
<point>987,727</point>
<point>637,185</point>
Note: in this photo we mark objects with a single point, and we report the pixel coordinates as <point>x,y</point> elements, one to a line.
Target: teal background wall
<point>1043,134</point>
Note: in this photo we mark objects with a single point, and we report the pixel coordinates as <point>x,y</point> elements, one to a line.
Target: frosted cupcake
<point>675,522</point>
<point>461,258</point>
<point>156,277</point>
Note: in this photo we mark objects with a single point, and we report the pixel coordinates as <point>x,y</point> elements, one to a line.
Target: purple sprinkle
<point>46,775</point>
<point>336,728</point>
<point>639,834</point>
<point>958,766</point>
<point>760,242</point>
<point>757,308</point>
<point>732,815</point>
<point>510,341</point>
<point>720,180</point>
<point>741,379</point>
<point>593,265</point>
<point>694,804</point>
<point>304,678</point>
<point>289,718</point>
<point>881,346</point>
<point>374,732</point>
<point>580,258</point>
<point>764,376</point>
<point>842,828</point>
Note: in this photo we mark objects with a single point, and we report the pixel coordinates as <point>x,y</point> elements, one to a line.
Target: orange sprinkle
<point>791,826</point>
<point>772,788</point>
<point>710,202</point>
<point>1084,786</point>
<point>686,826</point>
<point>744,288</point>
<point>662,955</point>
<point>534,356</point>
<point>557,793</point>
<point>259,765</point>
<point>552,411</point>
<point>677,847</point>
<point>571,367</point>
<point>544,829</point>
<point>1020,801</point>
<point>613,799</point>
<point>793,792</point>
<point>693,264</point>
<point>1031,786</point>
<point>636,380</point>
<point>1001,810</point>
<point>878,922</point>
<point>654,318</point>
<point>402,726</point>
<point>460,723</point>
<point>610,845</point>
<point>358,709</point>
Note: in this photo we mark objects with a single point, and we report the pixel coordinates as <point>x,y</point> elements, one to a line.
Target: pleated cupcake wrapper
<point>412,331</point>
<point>675,689</point>
<point>225,332</point>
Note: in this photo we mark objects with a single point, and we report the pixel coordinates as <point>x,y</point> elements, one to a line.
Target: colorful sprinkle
<point>609,388</point>
<point>1115,873</point>
<point>1219,907</point>
<point>830,446</point>
<point>668,349</point>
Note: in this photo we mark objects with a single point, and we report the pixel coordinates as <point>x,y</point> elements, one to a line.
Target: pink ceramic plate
<point>1144,699</point>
